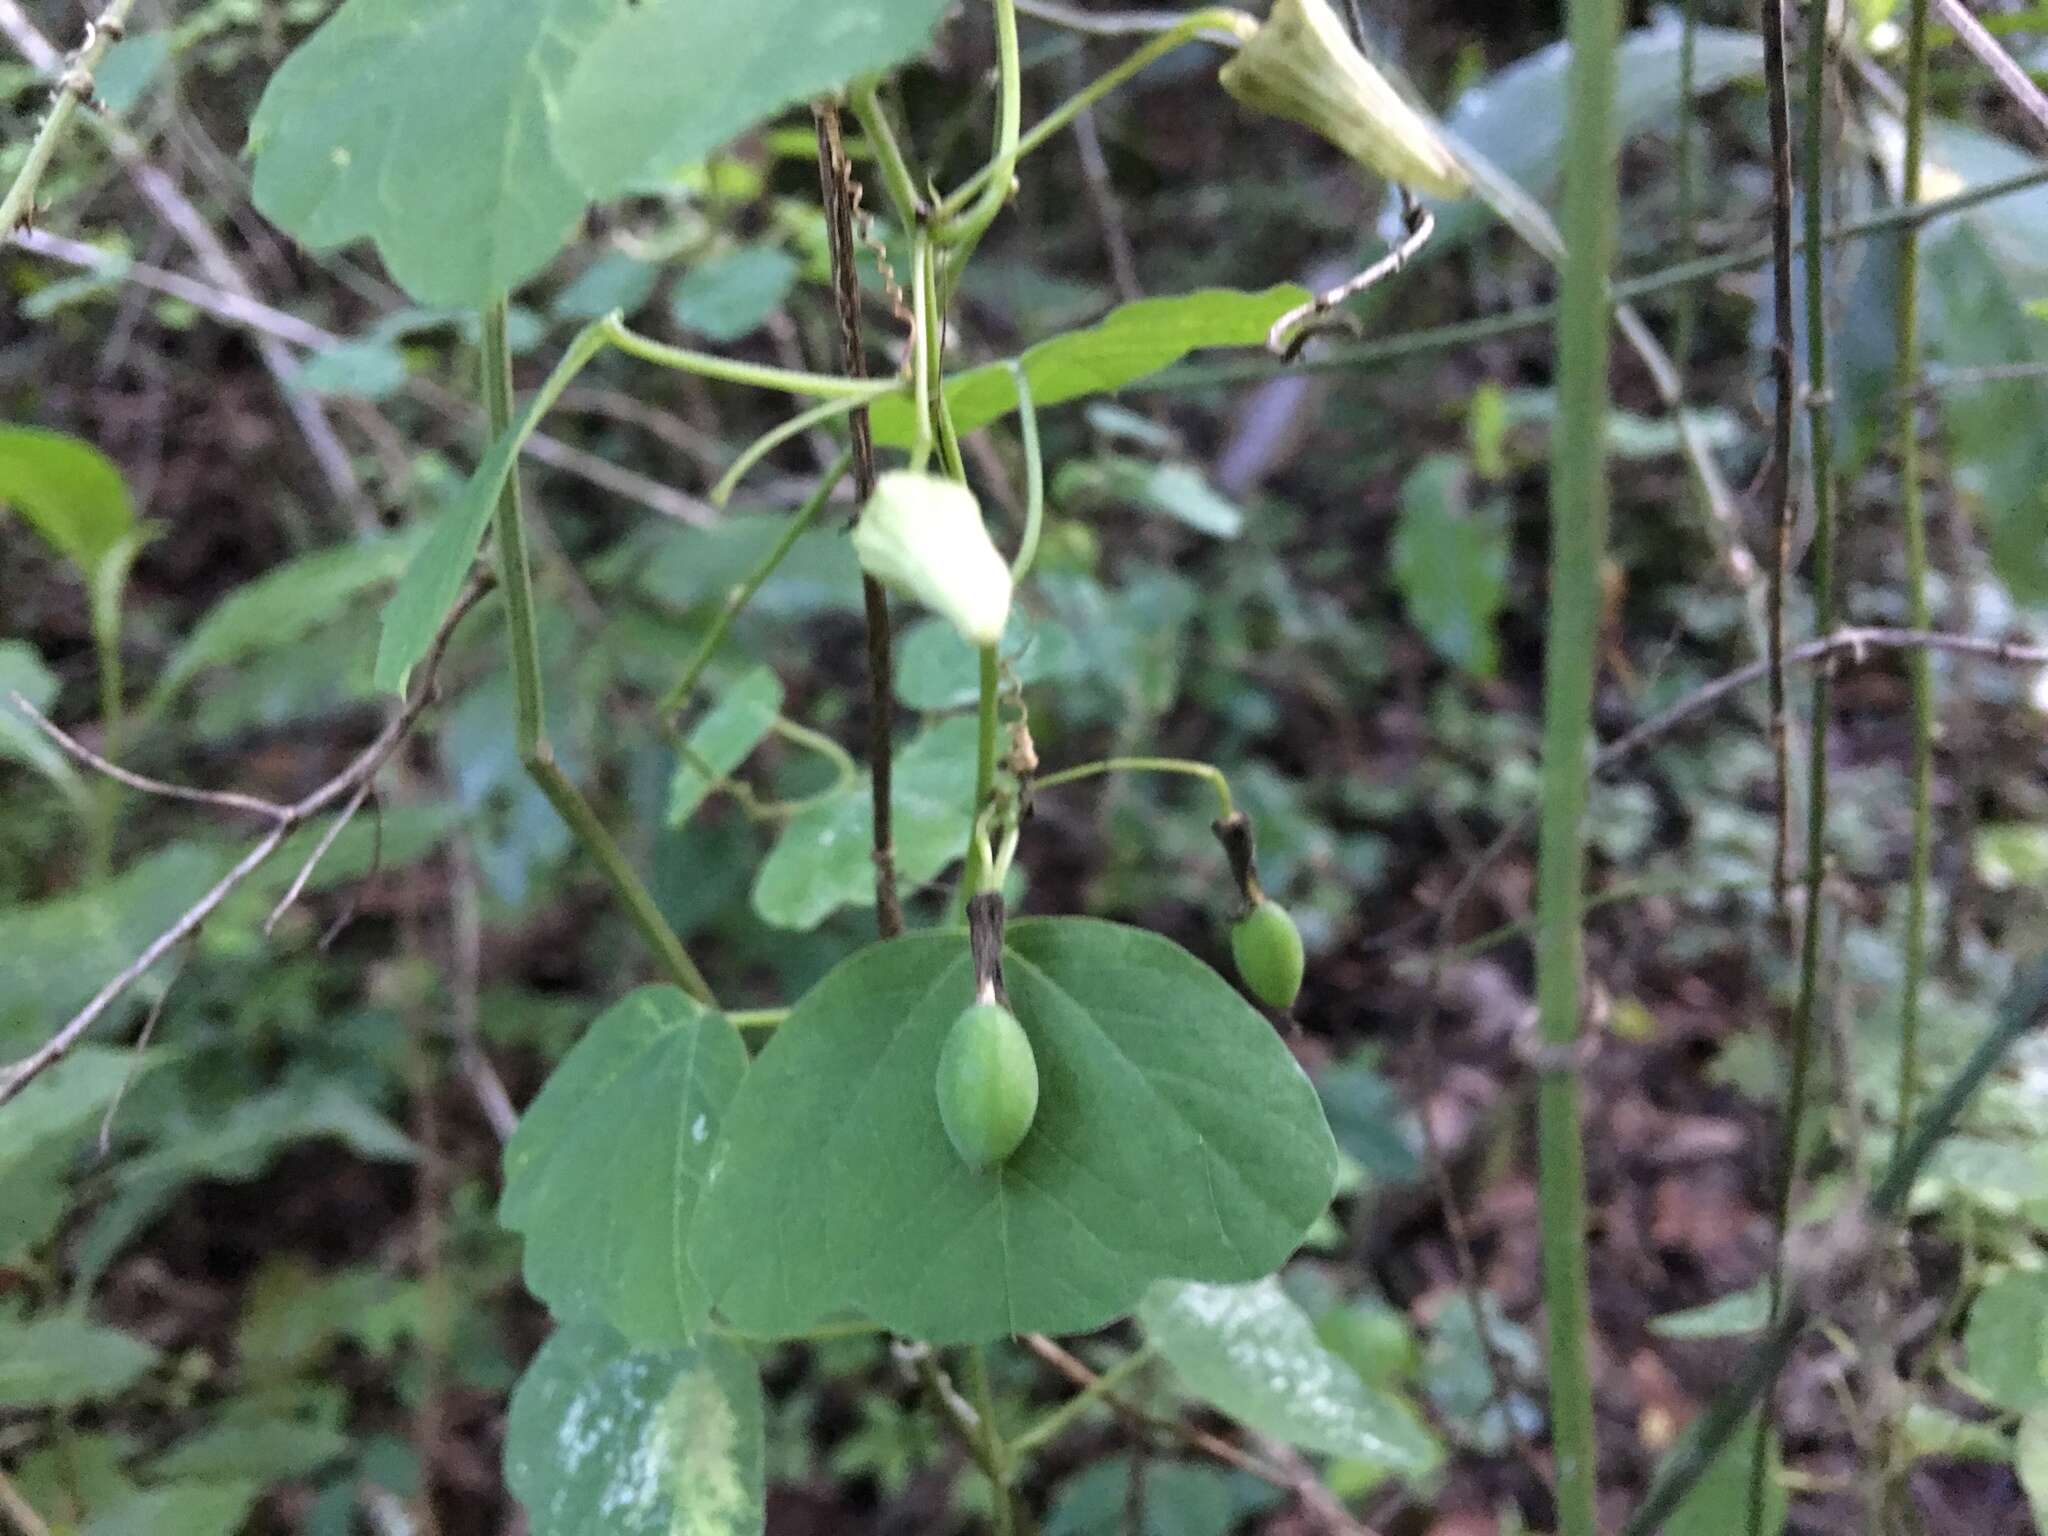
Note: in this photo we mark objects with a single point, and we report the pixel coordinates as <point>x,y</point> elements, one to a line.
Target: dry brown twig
<point>2006,70</point>
<point>352,782</point>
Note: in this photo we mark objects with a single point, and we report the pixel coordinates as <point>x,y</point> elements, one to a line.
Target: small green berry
<point>1267,947</point>
<point>987,1084</point>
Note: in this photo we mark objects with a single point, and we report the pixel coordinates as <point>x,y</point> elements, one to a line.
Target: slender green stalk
<point>922,381</point>
<point>1919,617</point>
<point>1208,772</point>
<point>1821,466</point>
<point>775,437</point>
<point>515,576</point>
<point>767,1018</point>
<point>1534,317</point>
<point>1578,511</point>
<point>801,519</point>
<point>732,370</point>
<point>1216,19</point>
<point>967,227</point>
<point>74,86</point>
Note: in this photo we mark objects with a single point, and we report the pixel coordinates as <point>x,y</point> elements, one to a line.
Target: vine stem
<point>1821,468</point>
<point>74,87</point>
<point>841,198</point>
<point>1578,534</point>
<point>536,753</point>
<point>1206,771</point>
<point>1778,485</point>
<point>970,224</point>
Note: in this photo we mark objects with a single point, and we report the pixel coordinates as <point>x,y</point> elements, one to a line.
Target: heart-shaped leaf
<point>606,1440</point>
<point>603,1175</point>
<point>1175,1138</point>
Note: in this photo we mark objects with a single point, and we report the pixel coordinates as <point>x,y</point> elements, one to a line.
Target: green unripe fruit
<point>987,1085</point>
<point>1267,947</point>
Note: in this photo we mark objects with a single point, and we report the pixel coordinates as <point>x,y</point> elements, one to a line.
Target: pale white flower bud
<point>923,535</point>
<point>1302,65</point>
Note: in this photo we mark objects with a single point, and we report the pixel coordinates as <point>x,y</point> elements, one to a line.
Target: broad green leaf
<point>2005,1343</point>
<point>1250,1351</point>
<point>606,1440</point>
<point>466,137</point>
<point>287,603</point>
<point>602,1177</point>
<point>739,722</point>
<point>821,862</point>
<point>936,669</point>
<point>1719,1501</point>
<point>2030,1460</point>
<point>1175,1138</point>
<point>69,492</point>
<point>1130,342</point>
<point>1737,1313</point>
<point>731,296</point>
<point>60,1360</point>
<point>1180,491</point>
<point>1451,564</point>
<point>22,671</point>
<point>669,81</point>
<point>189,1509</point>
<point>265,1451</point>
<point>64,1099</point>
<point>434,128</point>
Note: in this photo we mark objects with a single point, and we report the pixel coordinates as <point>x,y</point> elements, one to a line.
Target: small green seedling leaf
<point>733,295</point>
<point>603,1175</point>
<point>1451,562</point>
<point>1129,343</point>
<point>69,492</point>
<point>1175,1137</point>
<point>606,1440</point>
<point>739,722</point>
<point>1250,1351</point>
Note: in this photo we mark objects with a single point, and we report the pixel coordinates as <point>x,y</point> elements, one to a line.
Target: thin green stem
<point>1921,668</point>
<point>1578,504</point>
<point>1821,466</point>
<point>1534,317</point>
<point>679,694</point>
<point>1181,765</point>
<point>1220,19</point>
<point>934,340</point>
<point>866,101</point>
<point>515,576</point>
<point>986,728</point>
<point>775,437</point>
<point>762,1018</point>
<point>967,227</point>
<point>1056,1423</point>
<point>73,87</point>
<point>732,370</point>
<point>922,381</point>
<point>1034,476</point>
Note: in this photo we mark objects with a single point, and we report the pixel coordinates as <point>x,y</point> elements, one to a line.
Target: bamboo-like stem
<point>515,574</point>
<point>1821,468</point>
<point>1914,510</point>
<point>1778,484</point>
<point>74,87</point>
<point>1578,503</point>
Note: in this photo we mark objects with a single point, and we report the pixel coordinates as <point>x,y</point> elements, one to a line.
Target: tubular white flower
<point>1302,65</point>
<point>923,535</point>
